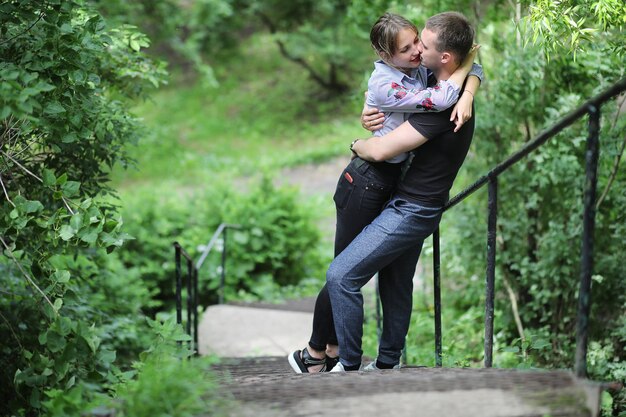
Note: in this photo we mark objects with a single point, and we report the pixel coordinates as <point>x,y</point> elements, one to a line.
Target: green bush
<point>276,243</point>
<point>67,82</point>
<point>166,381</point>
<point>540,208</point>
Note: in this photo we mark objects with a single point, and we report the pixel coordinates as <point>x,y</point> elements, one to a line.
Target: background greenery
<point>220,95</point>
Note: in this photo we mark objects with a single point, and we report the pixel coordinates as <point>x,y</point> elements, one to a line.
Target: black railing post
<point>189,295</point>
<point>192,282</point>
<point>179,284</point>
<point>584,293</point>
<point>490,275</point>
<point>223,272</point>
<point>437,296</point>
<point>195,309</point>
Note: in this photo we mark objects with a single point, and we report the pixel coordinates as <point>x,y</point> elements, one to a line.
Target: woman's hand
<point>471,57</point>
<point>371,118</point>
<point>462,111</point>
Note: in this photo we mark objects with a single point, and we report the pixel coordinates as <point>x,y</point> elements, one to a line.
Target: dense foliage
<point>66,80</point>
<point>540,200</point>
<point>273,244</point>
<point>75,308</point>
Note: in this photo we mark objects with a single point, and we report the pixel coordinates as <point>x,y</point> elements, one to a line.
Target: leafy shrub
<point>164,382</point>
<point>63,124</point>
<point>540,209</point>
<point>276,242</point>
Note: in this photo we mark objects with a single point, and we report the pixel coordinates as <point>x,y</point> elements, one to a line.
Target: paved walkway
<point>238,331</point>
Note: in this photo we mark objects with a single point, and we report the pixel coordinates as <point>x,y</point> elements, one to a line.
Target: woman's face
<point>407,54</point>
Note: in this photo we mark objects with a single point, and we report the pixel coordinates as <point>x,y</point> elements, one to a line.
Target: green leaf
<point>61,368</point>
<point>89,236</point>
<point>55,342</point>
<point>44,86</point>
<point>54,107</point>
<point>62,179</point>
<point>5,112</point>
<point>106,356</point>
<point>58,303</point>
<point>33,400</point>
<point>70,382</point>
<point>86,203</point>
<point>76,221</point>
<point>512,349</point>
<point>111,240</point>
<point>70,188</point>
<point>540,344</point>
<point>48,178</point>
<point>91,342</point>
<point>61,276</point>
<point>65,325</point>
<point>66,232</point>
<point>49,311</point>
<point>31,206</point>
<point>69,138</point>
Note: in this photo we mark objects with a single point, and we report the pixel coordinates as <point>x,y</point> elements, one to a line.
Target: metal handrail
<point>566,121</point>
<point>192,279</point>
<point>192,291</point>
<point>591,107</point>
<point>222,228</point>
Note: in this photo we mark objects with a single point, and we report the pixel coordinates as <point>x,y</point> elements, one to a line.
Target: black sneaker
<point>301,361</point>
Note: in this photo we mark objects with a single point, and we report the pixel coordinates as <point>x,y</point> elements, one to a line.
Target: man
<point>413,213</point>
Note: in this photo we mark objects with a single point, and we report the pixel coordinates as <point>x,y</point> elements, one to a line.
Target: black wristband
<point>352,145</point>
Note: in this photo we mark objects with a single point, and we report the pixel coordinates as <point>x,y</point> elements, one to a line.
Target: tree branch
<point>5,191</point>
<point>298,60</point>
<point>618,158</point>
<point>12,331</point>
<point>28,278</point>
<point>37,178</point>
<point>41,15</point>
<point>512,298</point>
<point>21,166</point>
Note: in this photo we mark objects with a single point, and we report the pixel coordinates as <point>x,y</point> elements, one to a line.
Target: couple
<point>386,205</point>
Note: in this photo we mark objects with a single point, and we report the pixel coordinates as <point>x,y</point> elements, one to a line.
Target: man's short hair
<point>454,33</point>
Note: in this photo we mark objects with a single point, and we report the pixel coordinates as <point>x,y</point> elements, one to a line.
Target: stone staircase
<point>266,386</point>
<point>256,339</point>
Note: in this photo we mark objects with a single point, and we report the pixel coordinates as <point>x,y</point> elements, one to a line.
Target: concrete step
<point>266,386</point>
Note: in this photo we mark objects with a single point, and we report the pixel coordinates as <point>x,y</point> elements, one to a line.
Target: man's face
<point>431,58</point>
<point>406,55</point>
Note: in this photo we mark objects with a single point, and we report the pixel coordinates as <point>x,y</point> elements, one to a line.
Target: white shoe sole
<point>293,363</point>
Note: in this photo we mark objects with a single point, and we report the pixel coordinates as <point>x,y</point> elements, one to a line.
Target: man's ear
<point>446,57</point>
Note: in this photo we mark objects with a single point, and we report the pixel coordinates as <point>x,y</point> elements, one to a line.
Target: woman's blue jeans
<point>391,244</point>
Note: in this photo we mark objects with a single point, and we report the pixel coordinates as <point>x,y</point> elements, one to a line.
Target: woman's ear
<point>384,56</point>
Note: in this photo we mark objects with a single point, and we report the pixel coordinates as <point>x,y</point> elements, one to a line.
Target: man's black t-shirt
<point>437,162</point>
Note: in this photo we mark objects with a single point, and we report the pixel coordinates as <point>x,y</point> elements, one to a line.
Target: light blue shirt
<point>398,95</point>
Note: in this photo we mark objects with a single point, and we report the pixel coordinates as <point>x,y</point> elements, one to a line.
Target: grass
<point>261,117</point>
